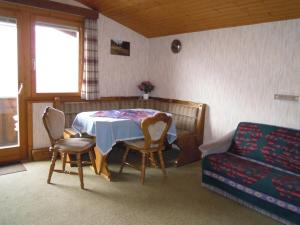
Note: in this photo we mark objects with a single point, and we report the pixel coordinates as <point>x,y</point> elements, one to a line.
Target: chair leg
<point>162,163</point>
<point>80,173</point>
<point>153,160</point>
<point>92,158</point>
<point>143,169</point>
<point>64,160</point>
<point>124,159</point>
<point>53,160</point>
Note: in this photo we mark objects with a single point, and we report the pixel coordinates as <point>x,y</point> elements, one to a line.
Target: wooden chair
<point>155,131</point>
<point>54,122</point>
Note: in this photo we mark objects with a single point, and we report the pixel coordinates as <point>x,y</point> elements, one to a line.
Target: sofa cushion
<point>257,180</point>
<point>237,169</point>
<point>277,146</point>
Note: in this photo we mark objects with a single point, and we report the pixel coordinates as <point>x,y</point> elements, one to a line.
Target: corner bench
<point>189,118</point>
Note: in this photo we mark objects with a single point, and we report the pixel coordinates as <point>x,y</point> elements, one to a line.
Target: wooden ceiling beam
<point>56,6</point>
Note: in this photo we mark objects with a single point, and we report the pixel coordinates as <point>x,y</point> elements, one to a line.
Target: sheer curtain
<point>89,89</point>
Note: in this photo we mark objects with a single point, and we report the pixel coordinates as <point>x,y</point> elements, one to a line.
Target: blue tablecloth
<point>110,130</point>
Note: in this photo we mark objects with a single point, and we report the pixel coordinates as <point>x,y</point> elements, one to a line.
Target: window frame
<point>25,13</point>
<point>60,22</point>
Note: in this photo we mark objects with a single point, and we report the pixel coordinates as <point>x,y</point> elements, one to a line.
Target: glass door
<point>9,91</point>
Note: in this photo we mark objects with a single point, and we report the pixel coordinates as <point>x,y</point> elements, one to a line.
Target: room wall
<point>120,75</point>
<point>236,71</point>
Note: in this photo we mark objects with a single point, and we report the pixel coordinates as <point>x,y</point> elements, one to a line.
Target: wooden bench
<point>189,118</point>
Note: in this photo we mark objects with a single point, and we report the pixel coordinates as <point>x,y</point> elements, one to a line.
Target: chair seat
<point>139,145</point>
<point>74,145</point>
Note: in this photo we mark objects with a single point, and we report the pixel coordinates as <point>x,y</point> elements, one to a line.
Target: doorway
<point>10,89</point>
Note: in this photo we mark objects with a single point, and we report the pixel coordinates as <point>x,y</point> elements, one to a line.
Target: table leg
<point>101,164</point>
<point>189,151</point>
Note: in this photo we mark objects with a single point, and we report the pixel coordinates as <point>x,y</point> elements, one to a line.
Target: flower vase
<point>146,96</point>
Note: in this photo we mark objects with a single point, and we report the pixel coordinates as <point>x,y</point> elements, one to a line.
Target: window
<point>9,57</point>
<point>57,64</point>
<point>9,135</point>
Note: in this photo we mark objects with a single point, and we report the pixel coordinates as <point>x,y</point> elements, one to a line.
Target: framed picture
<point>118,47</point>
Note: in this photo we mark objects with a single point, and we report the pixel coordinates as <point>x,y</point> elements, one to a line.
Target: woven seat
<point>54,121</point>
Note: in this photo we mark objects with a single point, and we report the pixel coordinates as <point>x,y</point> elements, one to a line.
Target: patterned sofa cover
<point>189,118</point>
<point>260,169</point>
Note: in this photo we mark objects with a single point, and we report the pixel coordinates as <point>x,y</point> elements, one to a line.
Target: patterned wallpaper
<point>236,71</point>
<point>120,75</point>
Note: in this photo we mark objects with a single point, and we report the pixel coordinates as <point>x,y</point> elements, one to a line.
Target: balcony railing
<point>8,122</point>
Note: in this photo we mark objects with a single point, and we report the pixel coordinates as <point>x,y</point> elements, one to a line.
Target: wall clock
<point>176,46</point>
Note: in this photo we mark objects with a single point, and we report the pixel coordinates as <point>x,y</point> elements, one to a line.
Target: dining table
<point>111,126</point>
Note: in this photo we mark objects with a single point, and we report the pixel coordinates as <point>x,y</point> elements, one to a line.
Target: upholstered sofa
<point>257,165</point>
<point>189,118</point>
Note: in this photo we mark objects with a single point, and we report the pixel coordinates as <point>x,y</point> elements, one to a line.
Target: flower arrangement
<point>146,86</point>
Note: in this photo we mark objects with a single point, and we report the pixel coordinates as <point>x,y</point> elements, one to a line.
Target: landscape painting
<point>120,47</point>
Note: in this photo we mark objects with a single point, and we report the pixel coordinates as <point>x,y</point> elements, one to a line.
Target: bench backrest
<point>276,146</point>
<point>189,117</point>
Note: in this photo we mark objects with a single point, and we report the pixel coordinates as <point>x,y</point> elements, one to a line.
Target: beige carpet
<point>26,198</point>
<point>14,168</point>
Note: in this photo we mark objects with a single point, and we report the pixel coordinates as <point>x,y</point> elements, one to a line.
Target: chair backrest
<point>54,122</point>
<point>155,129</point>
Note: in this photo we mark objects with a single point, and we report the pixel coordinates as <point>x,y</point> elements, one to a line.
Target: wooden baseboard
<point>41,154</point>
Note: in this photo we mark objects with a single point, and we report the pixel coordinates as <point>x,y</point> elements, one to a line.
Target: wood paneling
<point>56,6</point>
<point>154,18</point>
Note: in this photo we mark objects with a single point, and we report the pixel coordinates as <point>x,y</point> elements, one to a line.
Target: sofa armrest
<point>219,146</point>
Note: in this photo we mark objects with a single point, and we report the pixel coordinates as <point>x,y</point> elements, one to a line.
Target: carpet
<point>13,168</point>
<point>27,199</point>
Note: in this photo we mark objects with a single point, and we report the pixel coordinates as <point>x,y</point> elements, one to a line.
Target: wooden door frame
<point>19,153</point>
<point>25,15</point>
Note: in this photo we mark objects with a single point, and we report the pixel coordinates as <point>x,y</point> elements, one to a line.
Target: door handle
<point>20,88</point>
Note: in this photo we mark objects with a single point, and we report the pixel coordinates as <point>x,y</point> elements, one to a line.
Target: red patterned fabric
<point>288,187</point>
<point>277,146</point>
<point>136,115</point>
<point>262,168</point>
<point>240,170</point>
<point>246,138</point>
<point>261,178</point>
